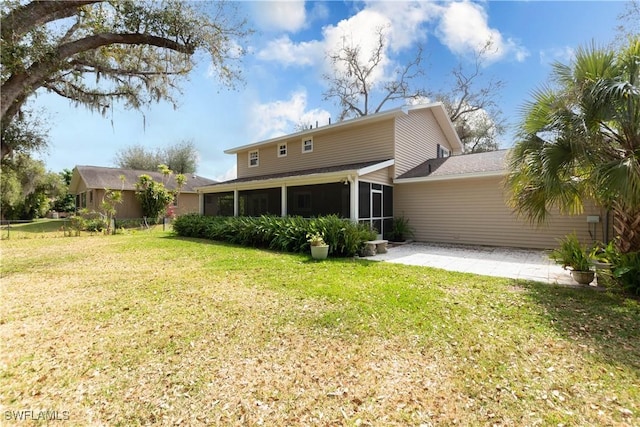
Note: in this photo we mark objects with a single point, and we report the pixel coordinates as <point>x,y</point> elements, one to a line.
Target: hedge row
<point>288,234</point>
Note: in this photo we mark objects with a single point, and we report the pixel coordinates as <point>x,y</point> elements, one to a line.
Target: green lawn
<point>146,328</point>
<point>37,228</point>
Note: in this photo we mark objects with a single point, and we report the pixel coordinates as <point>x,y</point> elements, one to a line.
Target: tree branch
<point>21,20</point>
<point>33,78</point>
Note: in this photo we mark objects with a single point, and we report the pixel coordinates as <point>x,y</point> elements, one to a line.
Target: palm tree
<point>580,139</point>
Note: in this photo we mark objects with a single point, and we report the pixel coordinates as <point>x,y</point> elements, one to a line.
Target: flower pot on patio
<point>583,277</point>
<point>320,252</point>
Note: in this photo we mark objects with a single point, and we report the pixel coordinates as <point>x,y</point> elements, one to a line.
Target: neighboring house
<point>89,183</point>
<point>403,162</point>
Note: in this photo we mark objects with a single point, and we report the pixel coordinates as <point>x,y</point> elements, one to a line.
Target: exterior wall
<point>473,211</point>
<point>382,176</point>
<point>188,203</point>
<point>417,137</point>
<point>130,206</point>
<point>364,143</point>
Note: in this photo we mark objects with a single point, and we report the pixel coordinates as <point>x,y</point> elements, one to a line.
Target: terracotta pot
<point>583,277</point>
<point>319,252</point>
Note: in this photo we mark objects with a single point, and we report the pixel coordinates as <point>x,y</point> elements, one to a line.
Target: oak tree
<point>97,52</point>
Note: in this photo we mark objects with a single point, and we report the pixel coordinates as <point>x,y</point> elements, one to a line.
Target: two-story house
<point>403,162</point>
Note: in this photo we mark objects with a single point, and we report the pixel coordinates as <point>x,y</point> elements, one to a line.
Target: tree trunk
<point>626,226</point>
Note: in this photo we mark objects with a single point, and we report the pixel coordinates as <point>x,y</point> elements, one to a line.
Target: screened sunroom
<point>360,192</point>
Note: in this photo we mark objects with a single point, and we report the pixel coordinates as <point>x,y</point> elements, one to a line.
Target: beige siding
<point>383,176</point>
<point>130,206</point>
<point>188,203</point>
<point>368,142</point>
<point>417,137</point>
<point>473,211</point>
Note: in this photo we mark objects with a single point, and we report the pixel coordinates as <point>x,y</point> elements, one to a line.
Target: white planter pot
<point>583,277</point>
<point>319,252</point>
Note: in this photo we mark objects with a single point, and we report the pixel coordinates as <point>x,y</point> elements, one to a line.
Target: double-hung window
<point>282,150</point>
<point>254,159</point>
<point>307,145</point>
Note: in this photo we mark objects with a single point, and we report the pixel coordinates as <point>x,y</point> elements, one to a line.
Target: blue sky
<point>287,56</point>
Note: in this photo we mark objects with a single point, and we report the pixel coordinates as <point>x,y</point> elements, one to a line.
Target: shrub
<point>400,230</point>
<point>284,234</point>
<point>626,270</point>
<point>86,220</point>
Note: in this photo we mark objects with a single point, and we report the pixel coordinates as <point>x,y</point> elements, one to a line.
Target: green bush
<point>624,269</point>
<point>283,234</point>
<point>86,220</point>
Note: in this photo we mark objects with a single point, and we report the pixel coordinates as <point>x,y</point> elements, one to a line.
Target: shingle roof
<point>328,169</point>
<point>98,177</point>
<point>464,164</point>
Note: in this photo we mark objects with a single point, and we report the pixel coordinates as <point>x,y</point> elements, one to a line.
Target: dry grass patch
<point>148,329</point>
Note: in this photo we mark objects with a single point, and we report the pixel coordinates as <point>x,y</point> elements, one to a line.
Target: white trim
<point>449,177</point>
<point>354,202</point>
<point>374,168</point>
<point>291,181</point>
<point>283,200</point>
<point>257,153</point>
<point>236,205</point>
<point>304,140</point>
<point>286,149</point>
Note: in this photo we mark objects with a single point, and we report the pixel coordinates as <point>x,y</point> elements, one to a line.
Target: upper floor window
<point>282,150</point>
<point>443,152</point>
<point>307,145</point>
<point>254,159</point>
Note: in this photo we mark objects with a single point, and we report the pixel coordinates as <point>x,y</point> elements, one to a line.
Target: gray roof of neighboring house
<point>464,164</point>
<point>98,177</point>
<point>328,169</point>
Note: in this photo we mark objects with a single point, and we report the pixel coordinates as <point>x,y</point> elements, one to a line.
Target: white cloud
<point>288,53</point>
<point>359,30</point>
<point>561,54</point>
<point>464,29</point>
<point>462,26</point>
<point>281,117</point>
<point>280,15</point>
<point>407,20</point>
<point>231,173</point>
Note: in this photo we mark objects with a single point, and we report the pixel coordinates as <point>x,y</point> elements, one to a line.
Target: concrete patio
<point>491,261</point>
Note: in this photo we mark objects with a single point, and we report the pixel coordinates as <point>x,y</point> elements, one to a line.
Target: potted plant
<point>574,256</point>
<point>319,249</point>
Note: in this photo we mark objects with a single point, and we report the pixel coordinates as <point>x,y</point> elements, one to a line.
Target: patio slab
<point>512,263</point>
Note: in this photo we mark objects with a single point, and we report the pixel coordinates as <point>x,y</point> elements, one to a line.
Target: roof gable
<point>97,177</point>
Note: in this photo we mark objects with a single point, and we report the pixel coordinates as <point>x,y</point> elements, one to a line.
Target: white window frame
<point>257,158</point>
<point>281,146</point>
<point>304,141</point>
